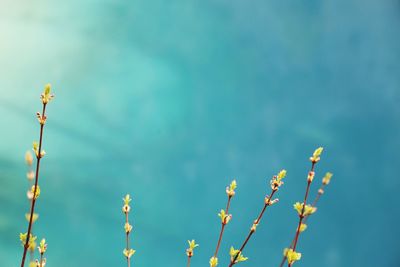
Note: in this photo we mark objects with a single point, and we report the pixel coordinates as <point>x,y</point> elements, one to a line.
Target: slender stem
<point>257,221</point>
<point>188,262</point>
<point>315,202</point>
<point>320,192</point>
<point>41,259</point>
<point>222,227</point>
<point>127,240</point>
<point>38,157</point>
<point>32,252</point>
<point>301,216</point>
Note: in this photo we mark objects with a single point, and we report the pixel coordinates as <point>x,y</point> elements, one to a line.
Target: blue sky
<point>169,101</point>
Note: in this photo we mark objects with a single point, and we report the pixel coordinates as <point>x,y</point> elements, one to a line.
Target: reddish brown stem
<point>188,262</point>
<point>38,157</point>
<point>222,228</point>
<point>301,216</point>
<point>257,221</point>
<point>314,204</point>
<point>320,192</point>
<point>31,252</point>
<point>128,259</point>
<point>41,259</point>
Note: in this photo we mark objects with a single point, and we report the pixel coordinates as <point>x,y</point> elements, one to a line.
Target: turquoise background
<point>171,100</point>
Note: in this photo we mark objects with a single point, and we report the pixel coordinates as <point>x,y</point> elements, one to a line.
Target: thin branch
<point>268,201</point>
<point>128,252</point>
<point>32,252</point>
<point>127,240</point>
<point>222,227</point>
<point>301,216</point>
<point>38,157</point>
<point>314,204</point>
<point>190,249</point>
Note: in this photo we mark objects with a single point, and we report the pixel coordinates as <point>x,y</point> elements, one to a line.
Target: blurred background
<point>171,100</point>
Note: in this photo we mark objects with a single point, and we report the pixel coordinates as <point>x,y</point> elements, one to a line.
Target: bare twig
<point>275,184</point>
<point>46,97</point>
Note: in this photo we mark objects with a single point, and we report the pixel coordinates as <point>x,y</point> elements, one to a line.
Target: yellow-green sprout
<point>302,227</point>
<point>213,261</point>
<point>192,246</point>
<point>46,96</point>
<point>225,218</point>
<point>35,148</point>
<point>35,216</point>
<point>41,118</point>
<point>235,253</point>
<point>41,263</point>
<point>276,180</point>
<point>128,227</point>
<point>308,209</point>
<point>42,246</point>
<point>292,256</point>
<point>126,208</point>
<point>310,176</point>
<point>316,155</point>
<point>230,190</point>
<point>327,178</point>
<point>31,245</point>
<point>254,225</point>
<point>23,237</point>
<point>37,193</point>
<point>281,175</point>
<point>129,253</point>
